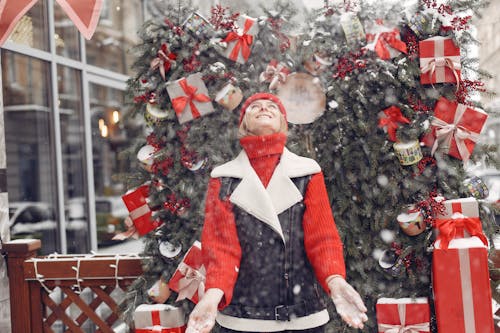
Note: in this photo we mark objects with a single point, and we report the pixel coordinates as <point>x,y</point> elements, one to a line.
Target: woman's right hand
<point>202,318</point>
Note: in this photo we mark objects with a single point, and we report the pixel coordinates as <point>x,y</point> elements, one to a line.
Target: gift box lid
<point>405,300</point>
<point>462,243</point>
<point>464,206</point>
<point>169,316</point>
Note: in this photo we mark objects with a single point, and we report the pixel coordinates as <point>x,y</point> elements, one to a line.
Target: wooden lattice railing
<point>66,293</point>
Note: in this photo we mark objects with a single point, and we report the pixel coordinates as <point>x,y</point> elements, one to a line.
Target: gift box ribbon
<point>383,40</point>
<point>448,229</point>
<point>164,60</point>
<point>439,64</point>
<point>275,73</point>
<point>403,328</point>
<point>394,116</point>
<point>193,281</point>
<point>446,132</point>
<point>130,232</point>
<point>179,103</point>
<point>157,327</point>
<point>243,41</point>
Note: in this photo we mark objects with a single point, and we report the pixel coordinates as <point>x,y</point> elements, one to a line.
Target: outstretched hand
<point>348,303</point>
<point>202,318</point>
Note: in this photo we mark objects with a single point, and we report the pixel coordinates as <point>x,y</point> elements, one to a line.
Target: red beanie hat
<point>257,96</point>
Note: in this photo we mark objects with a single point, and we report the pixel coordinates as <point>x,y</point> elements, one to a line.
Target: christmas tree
<point>360,101</point>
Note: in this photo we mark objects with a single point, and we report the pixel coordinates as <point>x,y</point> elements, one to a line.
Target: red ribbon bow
<point>394,116</point>
<point>180,103</point>
<point>164,60</point>
<point>384,40</point>
<point>448,229</point>
<point>243,42</point>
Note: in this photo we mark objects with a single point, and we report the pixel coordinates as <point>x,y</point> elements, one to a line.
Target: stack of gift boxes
<point>460,279</point>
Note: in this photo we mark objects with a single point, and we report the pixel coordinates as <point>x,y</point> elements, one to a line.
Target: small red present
<point>439,60</point>
<point>403,315</point>
<point>455,128</point>
<point>189,278</point>
<point>140,213</point>
<point>239,42</point>
<point>189,98</point>
<point>460,220</point>
<point>461,284</point>
<point>159,318</point>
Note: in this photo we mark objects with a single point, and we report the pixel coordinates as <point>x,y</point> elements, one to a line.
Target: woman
<point>269,237</point>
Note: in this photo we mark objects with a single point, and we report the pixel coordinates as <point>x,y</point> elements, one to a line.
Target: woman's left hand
<point>348,303</point>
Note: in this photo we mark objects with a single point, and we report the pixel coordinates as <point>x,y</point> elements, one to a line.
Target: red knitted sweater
<point>221,248</point>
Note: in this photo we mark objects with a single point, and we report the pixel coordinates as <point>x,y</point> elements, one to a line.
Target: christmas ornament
<point>159,292</point>
<point>412,221</point>
<point>455,128</point>
<point>410,315</point>
<point>275,74</point>
<point>239,42</point>
<point>229,97</point>
<point>194,165</point>
<point>197,25</point>
<point>189,278</point>
<point>189,98</point>
<point>353,29</point>
<point>140,212</point>
<point>150,318</point>
<point>84,14</point>
<point>477,188</point>
<point>317,63</point>
<point>303,97</point>
<point>164,60</point>
<point>155,112</point>
<point>408,153</point>
<point>384,41</point>
<point>439,60</point>
<point>146,156</point>
<point>390,119</point>
<point>169,250</point>
<point>417,23</point>
<point>391,263</point>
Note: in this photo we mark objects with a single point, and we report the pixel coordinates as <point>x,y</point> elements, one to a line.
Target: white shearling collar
<point>281,193</point>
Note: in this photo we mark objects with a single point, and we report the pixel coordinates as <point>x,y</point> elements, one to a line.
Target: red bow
<point>164,60</point>
<point>448,229</point>
<point>179,103</point>
<point>384,40</point>
<point>394,116</point>
<point>243,42</point>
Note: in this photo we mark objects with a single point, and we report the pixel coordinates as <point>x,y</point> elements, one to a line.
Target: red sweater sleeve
<point>321,239</point>
<point>220,245</point>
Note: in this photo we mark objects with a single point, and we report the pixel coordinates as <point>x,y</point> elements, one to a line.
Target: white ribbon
<point>193,280</point>
<point>439,63</point>
<point>140,211</point>
<point>403,328</point>
<point>446,132</point>
<point>466,284</point>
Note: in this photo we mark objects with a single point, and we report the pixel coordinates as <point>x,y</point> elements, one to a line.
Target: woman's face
<point>263,117</point>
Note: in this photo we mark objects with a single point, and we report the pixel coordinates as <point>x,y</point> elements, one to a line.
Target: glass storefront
<point>64,126</point>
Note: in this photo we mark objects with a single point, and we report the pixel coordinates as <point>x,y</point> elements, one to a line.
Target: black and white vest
<point>276,287</point>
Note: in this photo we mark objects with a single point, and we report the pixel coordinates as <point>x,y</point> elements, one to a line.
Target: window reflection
<point>29,147</point>
<point>32,28</point>
<point>73,159</point>
<point>116,33</point>
<point>66,36</point>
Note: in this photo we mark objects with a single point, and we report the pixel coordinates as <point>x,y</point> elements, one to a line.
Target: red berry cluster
<point>424,162</point>
<point>431,207</point>
<point>153,140</point>
<point>192,63</point>
<point>162,166</point>
<point>417,105</point>
<point>175,28</point>
<point>284,41</point>
<point>176,206</point>
<point>222,20</point>
<point>466,87</point>
<point>346,65</point>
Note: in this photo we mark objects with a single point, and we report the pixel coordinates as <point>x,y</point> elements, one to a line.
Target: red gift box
<point>159,318</point>
<point>403,315</point>
<point>384,41</point>
<point>140,213</point>
<point>239,42</point>
<point>189,98</point>
<point>189,277</point>
<point>461,284</point>
<point>439,60</point>
<point>455,128</point>
<point>460,220</point>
